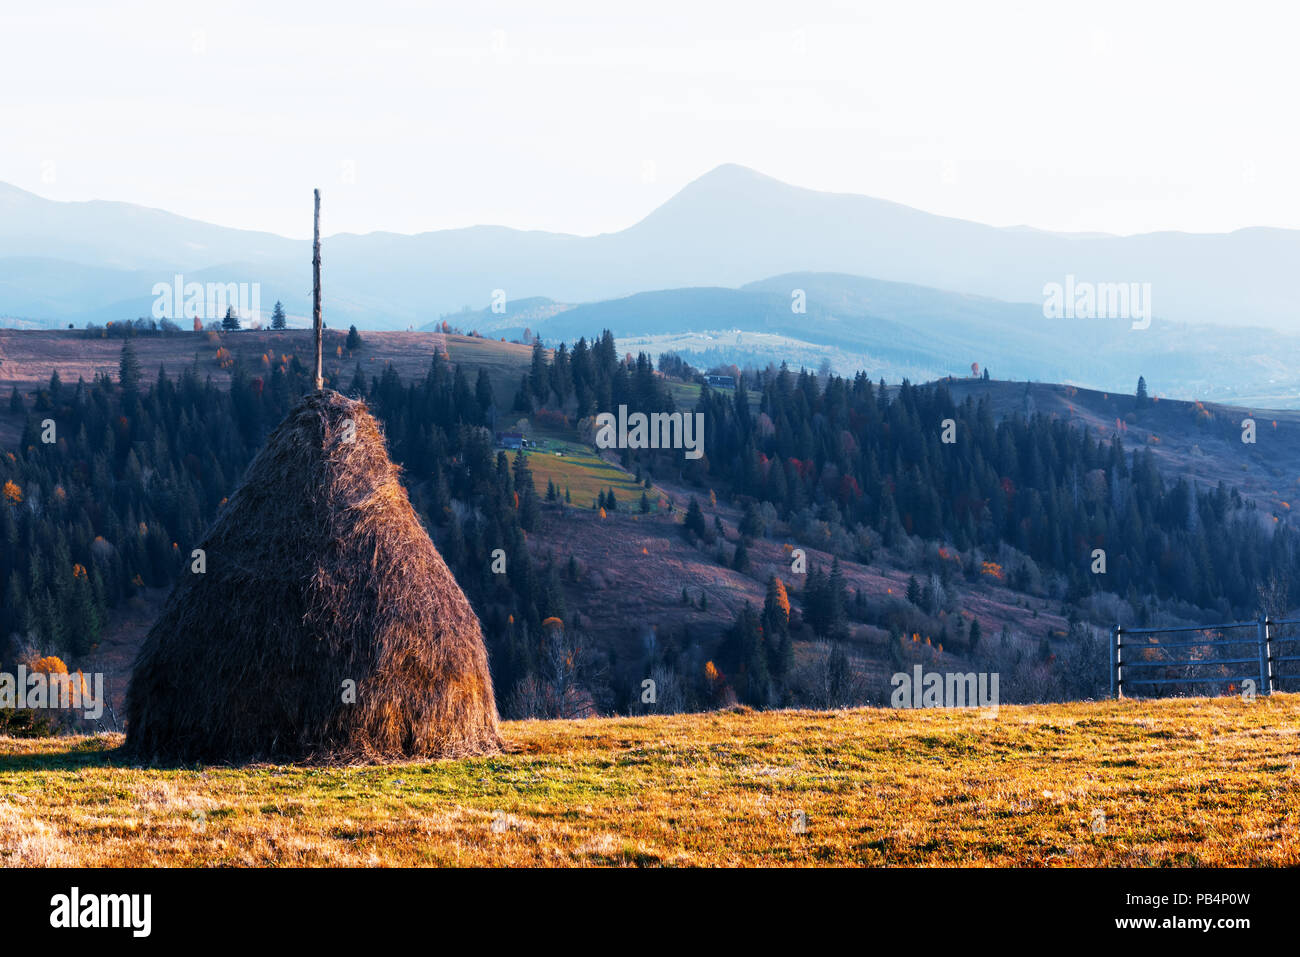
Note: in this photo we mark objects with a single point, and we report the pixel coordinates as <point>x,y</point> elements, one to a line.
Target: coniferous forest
<point>137,470</point>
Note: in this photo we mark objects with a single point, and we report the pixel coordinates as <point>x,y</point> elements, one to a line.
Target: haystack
<point>318,574</point>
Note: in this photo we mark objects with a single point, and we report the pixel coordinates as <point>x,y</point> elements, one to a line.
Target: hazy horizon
<point>292,235</point>
<point>1082,118</point>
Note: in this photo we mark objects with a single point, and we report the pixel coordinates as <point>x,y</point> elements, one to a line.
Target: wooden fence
<point>1234,656</point>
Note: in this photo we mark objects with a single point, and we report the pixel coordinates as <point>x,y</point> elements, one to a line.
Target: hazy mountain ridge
<point>730,227</point>
<point>899,330</point>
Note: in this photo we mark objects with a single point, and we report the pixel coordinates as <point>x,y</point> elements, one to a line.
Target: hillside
<point>28,357</point>
<point>1190,782</point>
<point>634,581</point>
<point>1199,440</point>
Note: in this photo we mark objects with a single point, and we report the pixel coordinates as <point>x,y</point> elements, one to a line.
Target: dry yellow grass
<point>1184,782</point>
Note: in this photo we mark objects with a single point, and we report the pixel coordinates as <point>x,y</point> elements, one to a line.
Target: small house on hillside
<point>721,381</point>
<point>511,440</point>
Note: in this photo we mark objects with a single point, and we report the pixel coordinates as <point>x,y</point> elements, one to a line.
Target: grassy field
<point>27,358</point>
<point>584,473</point>
<point>1181,782</point>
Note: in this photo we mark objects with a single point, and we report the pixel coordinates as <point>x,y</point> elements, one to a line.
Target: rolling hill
<point>631,572</point>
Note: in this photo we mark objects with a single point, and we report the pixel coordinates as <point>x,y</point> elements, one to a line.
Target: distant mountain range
<point>725,253</point>
<point>901,330</point>
<point>729,227</point>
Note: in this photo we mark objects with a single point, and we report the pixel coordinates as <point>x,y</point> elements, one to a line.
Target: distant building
<point>511,440</point>
<point>721,381</point>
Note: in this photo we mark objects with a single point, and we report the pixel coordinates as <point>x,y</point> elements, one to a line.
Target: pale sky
<point>582,117</point>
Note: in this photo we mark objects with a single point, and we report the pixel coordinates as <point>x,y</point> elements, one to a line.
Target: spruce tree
<point>837,599</point>
<point>539,379</point>
<point>357,388</point>
<point>913,591</point>
<point>776,608</point>
<point>128,369</point>
<point>694,524</point>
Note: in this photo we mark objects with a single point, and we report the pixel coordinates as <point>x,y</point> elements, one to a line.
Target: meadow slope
<point>1177,782</point>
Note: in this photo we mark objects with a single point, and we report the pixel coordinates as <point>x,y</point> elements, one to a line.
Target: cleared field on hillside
<point>27,358</point>
<point>586,475</point>
<point>1182,782</point>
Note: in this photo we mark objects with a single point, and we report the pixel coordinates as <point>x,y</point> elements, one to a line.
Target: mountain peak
<point>731,177</point>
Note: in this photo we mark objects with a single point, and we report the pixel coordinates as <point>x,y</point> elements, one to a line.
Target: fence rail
<point>1265,638</point>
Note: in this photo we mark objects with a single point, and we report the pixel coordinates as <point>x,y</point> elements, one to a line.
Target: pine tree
<point>231,322</point>
<point>278,318</point>
<point>815,610</point>
<point>837,599</point>
<point>357,389</point>
<point>523,475</point>
<point>354,339</point>
<point>694,524</point>
<point>483,391</point>
<point>539,379</point>
<point>914,591</point>
<point>553,596</point>
<point>128,369</point>
<point>1142,399</point>
<point>523,399</point>
<point>743,650</point>
<point>776,608</point>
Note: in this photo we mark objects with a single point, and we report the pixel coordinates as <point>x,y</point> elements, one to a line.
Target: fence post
<point>1116,685</point>
<point>1268,652</point>
<point>1262,626</point>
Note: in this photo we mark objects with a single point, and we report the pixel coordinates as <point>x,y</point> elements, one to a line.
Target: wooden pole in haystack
<point>315,291</point>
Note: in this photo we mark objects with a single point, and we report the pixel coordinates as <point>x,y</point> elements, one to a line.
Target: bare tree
<point>568,673</point>
<point>1273,596</point>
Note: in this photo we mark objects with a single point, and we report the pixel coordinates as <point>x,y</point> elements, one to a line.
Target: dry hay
<point>318,573</point>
